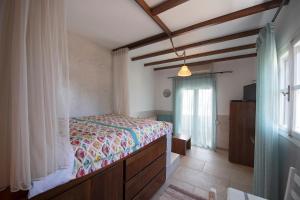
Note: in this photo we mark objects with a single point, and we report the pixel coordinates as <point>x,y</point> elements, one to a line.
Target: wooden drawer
<point>109,184</point>
<point>152,187</point>
<point>134,185</point>
<point>80,192</point>
<point>106,185</point>
<point>139,161</point>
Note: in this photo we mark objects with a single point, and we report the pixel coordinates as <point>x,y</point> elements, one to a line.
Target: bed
<point>111,146</point>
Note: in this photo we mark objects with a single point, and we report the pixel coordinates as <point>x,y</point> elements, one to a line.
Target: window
<point>296,89</point>
<point>284,78</point>
<point>187,102</point>
<point>289,88</point>
<point>196,112</point>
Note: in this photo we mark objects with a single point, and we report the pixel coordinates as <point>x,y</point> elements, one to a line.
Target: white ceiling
<point>114,23</point>
<point>110,23</point>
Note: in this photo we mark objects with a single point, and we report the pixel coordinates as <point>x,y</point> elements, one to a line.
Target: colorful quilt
<point>146,130</point>
<point>97,146</point>
<point>101,140</point>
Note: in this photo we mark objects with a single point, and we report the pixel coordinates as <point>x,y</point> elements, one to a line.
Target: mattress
<point>98,141</point>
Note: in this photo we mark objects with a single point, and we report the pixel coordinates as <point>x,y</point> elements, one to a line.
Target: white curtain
<point>34,136</point>
<point>120,82</point>
<point>266,179</point>
<point>195,109</point>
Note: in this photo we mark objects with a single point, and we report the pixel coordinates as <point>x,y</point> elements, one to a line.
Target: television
<point>250,92</point>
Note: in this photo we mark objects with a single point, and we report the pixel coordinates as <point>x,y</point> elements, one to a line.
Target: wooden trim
<point>208,61</point>
<point>166,5</point>
<point>157,20</point>
<point>200,43</point>
<point>8,195</point>
<point>209,53</point>
<point>218,20</point>
<point>145,42</point>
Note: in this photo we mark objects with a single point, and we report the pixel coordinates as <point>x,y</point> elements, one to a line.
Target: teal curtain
<point>266,138</point>
<point>195,109</point>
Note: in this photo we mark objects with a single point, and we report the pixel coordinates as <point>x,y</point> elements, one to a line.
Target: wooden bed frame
<point>137,176</point>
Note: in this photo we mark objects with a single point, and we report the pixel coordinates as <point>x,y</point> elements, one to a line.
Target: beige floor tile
<point>192,163</point>
<point>204,169</point>
<point>220,171</point>
<point>200,179</point>
<point>183,185</point>
<point>200,192</point>
<point>206,155</point>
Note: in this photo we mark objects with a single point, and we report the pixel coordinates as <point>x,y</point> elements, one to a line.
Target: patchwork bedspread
<point>97,146</point>
<point>100,140</point>
<point>146,130</point>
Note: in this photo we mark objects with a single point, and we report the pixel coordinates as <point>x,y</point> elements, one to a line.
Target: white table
<point>234,194</point>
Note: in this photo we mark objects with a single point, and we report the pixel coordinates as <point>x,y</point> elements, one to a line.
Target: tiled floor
<point>203,169</point>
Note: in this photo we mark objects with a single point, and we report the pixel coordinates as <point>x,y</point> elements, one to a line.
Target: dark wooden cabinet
<point>242,132</point>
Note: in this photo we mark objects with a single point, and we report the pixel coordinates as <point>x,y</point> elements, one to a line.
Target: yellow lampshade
<point>184,71</point>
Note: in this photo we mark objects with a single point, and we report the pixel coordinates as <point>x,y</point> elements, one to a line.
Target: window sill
<point>292,139</point>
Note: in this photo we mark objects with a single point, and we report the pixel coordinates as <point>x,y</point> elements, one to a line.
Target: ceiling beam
<point>157,20</point>
<point>201,43</point>
<point>229,17</point>
<point>218,20</point>
<point>209,53</point>
<point>208,61</point>
<point>166,5</point>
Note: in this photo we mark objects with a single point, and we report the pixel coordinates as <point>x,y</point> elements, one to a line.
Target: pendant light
<point>184,70</point>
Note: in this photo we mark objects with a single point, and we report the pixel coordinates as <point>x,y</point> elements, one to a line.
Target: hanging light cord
<point>175,50</point>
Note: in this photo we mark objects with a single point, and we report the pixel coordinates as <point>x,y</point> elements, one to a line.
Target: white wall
<point>288,24</point>
<point>90,77</point>
<point>229,87</point>
<point>141,89</point>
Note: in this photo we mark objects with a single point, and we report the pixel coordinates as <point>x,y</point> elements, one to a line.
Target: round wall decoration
<point>167,93</point>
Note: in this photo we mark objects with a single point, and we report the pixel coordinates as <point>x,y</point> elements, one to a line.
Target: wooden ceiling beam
<point>229,17</point>
<point>218,20</point>
<point>166,5</point>
<point>207,61</point>
<point>199,55</point>
<point>155,18</point>
<point>201,43</point>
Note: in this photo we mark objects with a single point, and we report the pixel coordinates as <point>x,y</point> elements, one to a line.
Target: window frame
<point>285,55</point>
<point>295,45</point>
<point>291,51</point>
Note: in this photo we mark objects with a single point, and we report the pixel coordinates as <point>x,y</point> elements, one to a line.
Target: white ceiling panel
<point>111,23</point>
<point>195,11</point>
